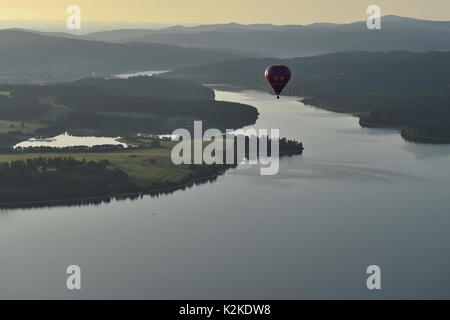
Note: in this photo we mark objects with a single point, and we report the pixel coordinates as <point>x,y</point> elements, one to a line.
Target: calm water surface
<point>356,197</point>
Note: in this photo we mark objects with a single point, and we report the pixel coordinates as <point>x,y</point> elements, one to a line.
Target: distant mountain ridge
<point>29,56</point>
<point>286,41</point>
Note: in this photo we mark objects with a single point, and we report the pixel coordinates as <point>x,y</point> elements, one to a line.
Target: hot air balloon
<point>278,77</point>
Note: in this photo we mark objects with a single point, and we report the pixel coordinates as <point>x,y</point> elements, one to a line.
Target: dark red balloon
<point>278,77</point>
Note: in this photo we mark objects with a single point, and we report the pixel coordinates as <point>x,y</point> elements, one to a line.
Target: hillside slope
<point>26,56</point>
<point>397,33</point>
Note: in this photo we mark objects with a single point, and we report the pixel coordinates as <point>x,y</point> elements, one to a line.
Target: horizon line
<point>115,25</point>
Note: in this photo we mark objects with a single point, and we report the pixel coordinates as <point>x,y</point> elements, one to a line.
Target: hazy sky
<point>219,11</point>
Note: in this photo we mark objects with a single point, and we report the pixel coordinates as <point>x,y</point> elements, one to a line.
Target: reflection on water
<point>105,200</point>
<point>67,140</point>
<point>131,196</point>
<point>426,151</point>
<point>355,197</point>
<point>329,170</point>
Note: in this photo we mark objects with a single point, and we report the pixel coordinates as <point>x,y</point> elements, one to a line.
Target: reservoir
<point>356,197</point>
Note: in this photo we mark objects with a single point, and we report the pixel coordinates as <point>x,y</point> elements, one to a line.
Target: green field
<point>25,127</point>
<point>32,124</point>
<point>5,93</point>
<point>144,166</point>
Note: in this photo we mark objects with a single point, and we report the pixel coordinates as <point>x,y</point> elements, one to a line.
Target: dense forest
<point>121,106</point>
<point>285,147</point>
<point>139,86</point>
<point>29,57</point>
<point>20,107</point>
<point>38,179</point>
<point>9,139</point>
<point>437,131</point>
<point>145,86</point>
<point>395,89</point>
<point>43,179</point>
<point>78,149</point>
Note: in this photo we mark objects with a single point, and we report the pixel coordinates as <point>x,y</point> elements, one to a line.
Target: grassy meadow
<point>144,166</point>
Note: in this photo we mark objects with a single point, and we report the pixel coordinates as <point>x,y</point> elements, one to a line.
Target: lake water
<point>136,74</point>
<point>67,140</point>
<point>356,197</point>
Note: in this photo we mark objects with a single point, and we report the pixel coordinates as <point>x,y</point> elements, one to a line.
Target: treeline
<point>144,111</point>
<point>349,76</point>
<point>159,107</point>
<point>42,163</point>
<point>252,147</point>
<point>200,174</point>
<point>432,132</point>
<point>9,139</point>
<point>140,86</point>
<point>285,146</point>
<point>60,180</point>
<point>113,124</point>
<point>394,89</point>
<point>40,180</point>
<point>101,124</point>
<point>74,149</point>
<point>45,179</point>
<point>410,110</point>
<point>148,86</point>
<point>87,149</point>
<point>20,107</point>
<point>170,116</point>
<point>128,106</point>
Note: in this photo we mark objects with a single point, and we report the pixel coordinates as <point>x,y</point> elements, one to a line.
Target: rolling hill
<point>398,33</point>
<point>27,56</point>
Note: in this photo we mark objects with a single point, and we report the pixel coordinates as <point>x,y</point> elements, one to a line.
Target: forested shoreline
<point>43,177</point>
<point>396,89</point>
<point>112,107</point>
<point>34,176</point>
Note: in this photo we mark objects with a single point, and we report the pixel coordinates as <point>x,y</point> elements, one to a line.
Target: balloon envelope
<point>278,77</point>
